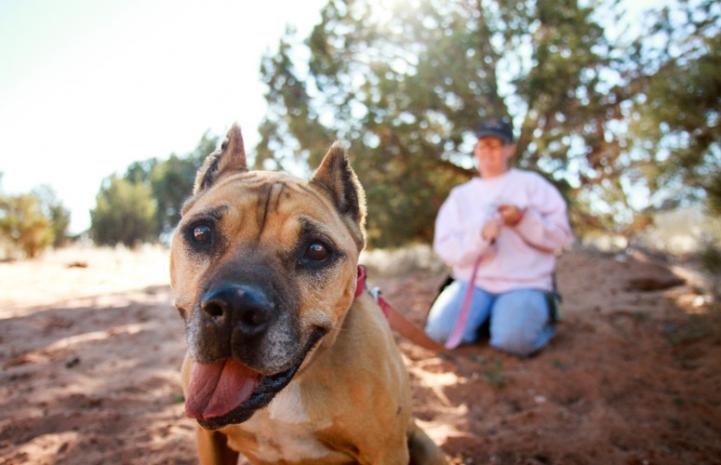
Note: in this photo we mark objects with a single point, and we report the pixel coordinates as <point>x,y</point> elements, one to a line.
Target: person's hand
<point>491,229</point>
<point>510,214</point>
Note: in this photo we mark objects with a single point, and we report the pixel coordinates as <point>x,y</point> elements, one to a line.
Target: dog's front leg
<point>213,448</point>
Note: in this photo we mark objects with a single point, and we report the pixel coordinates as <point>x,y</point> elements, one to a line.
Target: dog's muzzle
<point>246,344</point>
<point>243,311</point>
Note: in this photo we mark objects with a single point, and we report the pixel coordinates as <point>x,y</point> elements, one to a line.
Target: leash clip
<point>376,293</point>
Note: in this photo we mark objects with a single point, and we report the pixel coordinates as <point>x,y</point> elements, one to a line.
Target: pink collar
<point>360,283</point>
<point>360,286</point>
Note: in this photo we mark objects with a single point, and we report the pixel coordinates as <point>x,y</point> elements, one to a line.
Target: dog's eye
<point>200,234</point>
<point>316,252</point>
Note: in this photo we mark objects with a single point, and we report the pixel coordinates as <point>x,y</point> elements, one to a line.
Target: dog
<point>284,363</point>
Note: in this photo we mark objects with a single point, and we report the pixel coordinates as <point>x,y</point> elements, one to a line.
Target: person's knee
<point>438,324</point>
<point>516,342</point>
<point>520,323</point>
<point>437,332</point>
<point>444,312</point>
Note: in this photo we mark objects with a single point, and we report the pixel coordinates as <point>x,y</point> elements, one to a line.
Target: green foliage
<point>679,118</point>
<point>171,180</point>
<point>140,171</point>
<point>23,225</point>
<point>125,212</point>
<point>495,375</point>
<point>55,212</point>
<point>407,86</point>
<point>146,201</point>
<point>29,223</point>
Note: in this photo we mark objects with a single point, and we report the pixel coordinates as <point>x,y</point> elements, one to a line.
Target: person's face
<point>492,156</point>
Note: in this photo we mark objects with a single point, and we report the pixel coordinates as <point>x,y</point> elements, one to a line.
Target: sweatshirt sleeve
<point>457,240</point>
<point>545,221</point>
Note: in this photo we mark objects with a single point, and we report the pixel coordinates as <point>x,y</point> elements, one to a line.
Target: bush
<point>23,225</point>
<point>55,212</point>
<point>170,180</point>
<point>124,212</point>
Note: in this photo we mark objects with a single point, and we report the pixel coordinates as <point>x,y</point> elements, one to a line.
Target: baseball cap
<point>498,127</point>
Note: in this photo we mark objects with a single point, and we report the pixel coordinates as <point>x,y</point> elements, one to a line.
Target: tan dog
<point>284,364</point>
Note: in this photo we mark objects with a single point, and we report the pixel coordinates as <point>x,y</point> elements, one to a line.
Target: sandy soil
<point>90,349</point>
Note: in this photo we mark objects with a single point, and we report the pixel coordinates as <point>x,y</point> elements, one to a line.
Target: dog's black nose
<point>244,307</point>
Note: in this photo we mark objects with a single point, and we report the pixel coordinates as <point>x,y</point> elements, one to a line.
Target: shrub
<point>54,210</point>
<point>23,225</point>
<point>124,212</point>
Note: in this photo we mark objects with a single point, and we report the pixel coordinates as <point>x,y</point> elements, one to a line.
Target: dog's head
<point>263,268</point>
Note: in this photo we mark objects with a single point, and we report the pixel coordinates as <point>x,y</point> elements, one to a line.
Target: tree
<point>678,119</point>
<point>124,212</point>
<point>171,180</point>
<point>140,171</point>
<point>56,213</point>
<point>146,201</point>
<point>407,84</point>
<point>23,224</point>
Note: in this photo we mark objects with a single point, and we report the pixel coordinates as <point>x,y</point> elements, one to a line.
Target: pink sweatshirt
<point>512,262</point>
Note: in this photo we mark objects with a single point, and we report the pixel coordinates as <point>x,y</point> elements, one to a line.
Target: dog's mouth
<point>227,392</point>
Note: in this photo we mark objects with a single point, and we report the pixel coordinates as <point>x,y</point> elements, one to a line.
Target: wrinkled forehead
<point>260,197</point>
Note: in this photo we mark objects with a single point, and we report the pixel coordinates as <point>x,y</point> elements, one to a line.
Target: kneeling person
<point>509,223</point>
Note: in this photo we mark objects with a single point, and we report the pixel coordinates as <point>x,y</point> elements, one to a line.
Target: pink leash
<point>457,334</point>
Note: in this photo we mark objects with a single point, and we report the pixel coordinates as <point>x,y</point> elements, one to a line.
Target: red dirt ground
<point>90,357</point>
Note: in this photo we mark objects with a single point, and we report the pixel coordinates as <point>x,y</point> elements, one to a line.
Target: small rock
<point>77,264</point>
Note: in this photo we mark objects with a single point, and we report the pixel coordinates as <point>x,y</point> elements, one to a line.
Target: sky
<point>88,86</point>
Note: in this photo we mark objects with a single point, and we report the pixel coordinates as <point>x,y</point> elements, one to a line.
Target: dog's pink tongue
<point>217,388</point>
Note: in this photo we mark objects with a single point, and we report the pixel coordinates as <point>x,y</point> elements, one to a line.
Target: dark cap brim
<point>489,132</point>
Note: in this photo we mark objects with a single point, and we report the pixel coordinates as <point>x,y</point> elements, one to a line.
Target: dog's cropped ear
<point>230,157</point>
<point>336,175</point>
